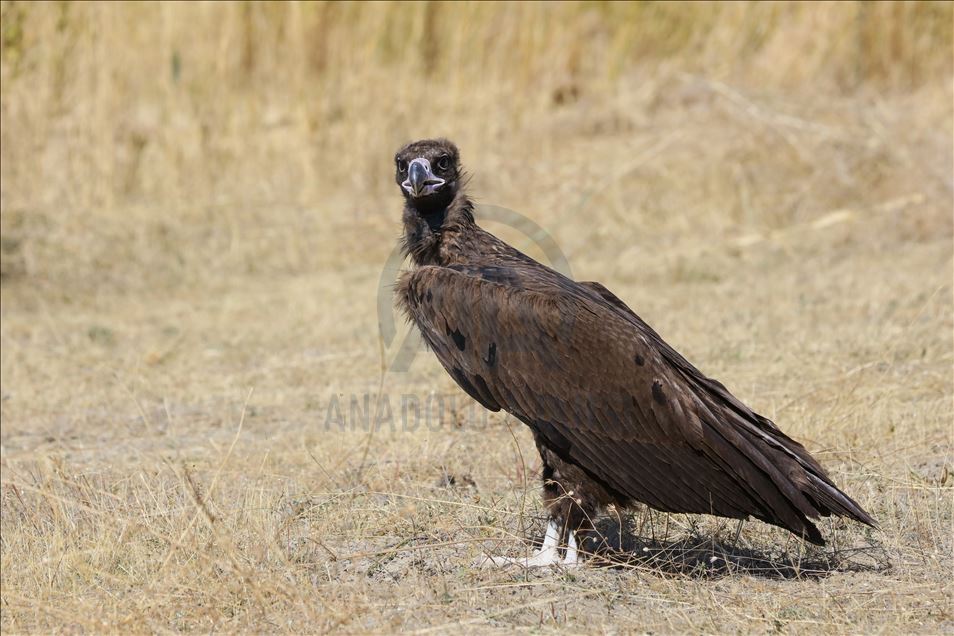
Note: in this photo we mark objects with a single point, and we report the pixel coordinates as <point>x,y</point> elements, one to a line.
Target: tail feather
<point>830,500</point>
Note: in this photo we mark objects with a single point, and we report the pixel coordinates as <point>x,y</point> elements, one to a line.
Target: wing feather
<point>602,389</point>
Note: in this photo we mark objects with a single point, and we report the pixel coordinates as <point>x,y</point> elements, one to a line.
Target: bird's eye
<point>443,163</point>
<point>401,166</point>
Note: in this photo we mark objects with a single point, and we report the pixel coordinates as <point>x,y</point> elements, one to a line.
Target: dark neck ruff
<point>435,220</point>
<point>423,232</point>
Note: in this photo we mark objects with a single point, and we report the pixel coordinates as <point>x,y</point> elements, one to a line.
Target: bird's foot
<point>547,555</point>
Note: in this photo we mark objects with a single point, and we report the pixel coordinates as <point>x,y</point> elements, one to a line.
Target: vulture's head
<point>428,173</point>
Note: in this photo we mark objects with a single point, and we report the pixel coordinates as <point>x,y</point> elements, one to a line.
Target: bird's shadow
<point>616,544</point>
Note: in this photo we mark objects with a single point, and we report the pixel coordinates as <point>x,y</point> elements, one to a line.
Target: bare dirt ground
<point>188,386</point>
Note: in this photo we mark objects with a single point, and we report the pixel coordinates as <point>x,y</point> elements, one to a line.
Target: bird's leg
<point>572,503</point>
<point>572,556</point>
<point>548,554</point>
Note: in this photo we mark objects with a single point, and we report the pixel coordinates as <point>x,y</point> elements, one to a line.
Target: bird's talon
<point>547,555</point>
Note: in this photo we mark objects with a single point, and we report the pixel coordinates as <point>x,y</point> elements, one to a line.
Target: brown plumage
<point>618,415</point>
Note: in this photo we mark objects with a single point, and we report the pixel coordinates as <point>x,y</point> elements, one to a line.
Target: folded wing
<point>606,393</point>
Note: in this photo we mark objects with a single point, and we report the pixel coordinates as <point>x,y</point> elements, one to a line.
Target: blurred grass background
<point>141,142</point>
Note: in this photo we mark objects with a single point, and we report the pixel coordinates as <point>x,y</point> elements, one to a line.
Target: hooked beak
<point>421,181</point>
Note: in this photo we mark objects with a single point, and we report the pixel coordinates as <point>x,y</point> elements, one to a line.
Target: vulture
<point>617,414</point>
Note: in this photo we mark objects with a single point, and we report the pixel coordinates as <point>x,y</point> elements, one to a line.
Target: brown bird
<point>617,414</point>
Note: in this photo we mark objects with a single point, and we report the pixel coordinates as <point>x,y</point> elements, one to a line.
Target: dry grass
<point>196,209</point>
